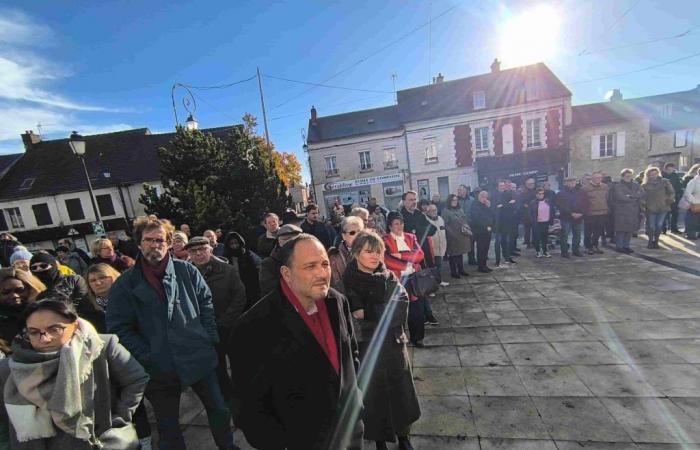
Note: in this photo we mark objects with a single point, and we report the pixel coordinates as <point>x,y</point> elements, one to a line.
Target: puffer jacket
<point>659,197</point>
<point>597,199</point>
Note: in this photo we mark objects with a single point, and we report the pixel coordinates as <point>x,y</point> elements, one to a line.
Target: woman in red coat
<point>403,257</point>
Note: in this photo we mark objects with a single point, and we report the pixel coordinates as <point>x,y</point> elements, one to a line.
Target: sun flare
<point>530,37</point>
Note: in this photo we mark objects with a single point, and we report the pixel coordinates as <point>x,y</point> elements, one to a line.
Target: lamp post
<point>77,145</point>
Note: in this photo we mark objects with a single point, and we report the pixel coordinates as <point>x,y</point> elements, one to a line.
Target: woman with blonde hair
<point>100,278</point>
<point>659,195</point>
<point>103,252</point>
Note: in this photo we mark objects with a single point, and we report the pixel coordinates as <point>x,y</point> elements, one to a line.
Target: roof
<point>130,156</point>
<point>501,89</point>
<point>596,114</point>
<point>6,161</point>
<point>353,124</point>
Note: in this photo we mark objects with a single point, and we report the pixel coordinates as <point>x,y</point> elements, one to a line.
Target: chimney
<point>495,65</point>
<point>314,117</point>
<point>616,95</point>
<point>439,78</point>
<point>30,139</point>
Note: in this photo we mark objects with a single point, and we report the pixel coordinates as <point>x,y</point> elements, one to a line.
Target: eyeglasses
<point>38,267</point>
<point>17,290</point>
<point>52,332</point>
<point>351,233</point>
<point>151,241</point>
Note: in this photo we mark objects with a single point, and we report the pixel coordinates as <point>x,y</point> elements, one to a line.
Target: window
<point>390,161</point>
<point>331,167</point>
<point>27,183</point>
<point>431,151</point>
<point>15,217</point>
<point>365,161</point>
<point>105,205</point>
<point>42,214</point>
<point>680,138</point>
<point>608,143</point>
<point>666,110</point>
<point>481,139</point>
<point>479,98</point>
<point>75,209</point>
<point>533,133</point>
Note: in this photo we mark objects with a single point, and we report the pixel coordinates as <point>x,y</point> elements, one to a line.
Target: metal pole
<point>92,196</point>
<point>262,102</point>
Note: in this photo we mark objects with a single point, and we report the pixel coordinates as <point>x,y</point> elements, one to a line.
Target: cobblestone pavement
<point>599,352</point>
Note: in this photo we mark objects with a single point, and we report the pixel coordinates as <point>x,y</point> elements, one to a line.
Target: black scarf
<point>48,277</point>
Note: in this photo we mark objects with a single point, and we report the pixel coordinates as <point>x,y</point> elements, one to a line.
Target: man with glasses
<point>162,311</point>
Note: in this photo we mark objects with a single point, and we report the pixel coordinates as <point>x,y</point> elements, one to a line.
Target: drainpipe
<point>408,160</point>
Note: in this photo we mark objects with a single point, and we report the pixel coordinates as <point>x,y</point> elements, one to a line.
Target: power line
<point>618,20</point>
<point>379,50</point>
<point>329,105</point>
<point>327,85</point>
<point>655,66</point>
<point>220,86</point>
<point>636,44</point>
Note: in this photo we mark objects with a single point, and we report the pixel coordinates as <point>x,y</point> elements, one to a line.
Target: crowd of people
<point>300,338</point>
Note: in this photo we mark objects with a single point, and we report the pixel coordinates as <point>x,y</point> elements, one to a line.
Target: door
<point>444,187</point>
<point>507,132</point>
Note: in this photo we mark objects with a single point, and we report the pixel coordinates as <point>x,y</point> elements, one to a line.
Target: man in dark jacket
<point>524,199</point>
<point>296,353</point>
<point>671,175</point>
<point>313,225</point>
<point>504,207</point>
<point>270,266</point>
<point>571,204</point>
<point>415,222</point>
<point>268,240</point>
<point>162,311</point>
<point>482,222</point>
<point>228,297</point>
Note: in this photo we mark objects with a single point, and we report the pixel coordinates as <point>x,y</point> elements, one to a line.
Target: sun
<point>530,37</point>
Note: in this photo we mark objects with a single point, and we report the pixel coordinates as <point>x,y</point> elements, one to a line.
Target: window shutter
<point>595,146</point>
<point>620,143</point>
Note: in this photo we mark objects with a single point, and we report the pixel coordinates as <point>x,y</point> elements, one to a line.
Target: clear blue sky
<point>104,66</point>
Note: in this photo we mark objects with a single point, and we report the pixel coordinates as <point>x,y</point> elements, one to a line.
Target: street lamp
<point>191,123</point>
<point>77,145</point>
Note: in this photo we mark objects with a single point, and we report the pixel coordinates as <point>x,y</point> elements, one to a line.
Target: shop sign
<point>349,184</point>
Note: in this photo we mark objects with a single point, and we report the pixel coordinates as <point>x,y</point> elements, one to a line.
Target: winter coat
<point>270,272</point>
<point>323,232</point>
<point>596,199</point>
<point>286,392</point>
<point>390,397</point>
<point>265,245</point>
<point>458,243</point>
<point>658,196</point>
<point>483,219</point>
<point>676,182</point>
<point>176,335</point>
<point>120,263</point>
<point>9,323</point>
<point>626,199</point>
<point>533,210</point>
<point>248,266</point>
<point>227,291</point>
<point>412,258</point>
<point>417,224</point>
<point>440,237</point>
<point>465,204</point>
<point>524,200</point>
<point>505,211</point>
<point>76,263</point>
<point>339,257</point>
<point>571,201</point>
<point>119,385</point>
<point>692,190</point>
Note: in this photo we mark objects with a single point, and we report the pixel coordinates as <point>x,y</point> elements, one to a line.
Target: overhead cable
<point>328,86</point>
<point>655,66</point>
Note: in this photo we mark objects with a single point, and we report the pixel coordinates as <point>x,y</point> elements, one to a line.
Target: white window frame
<point>481,139</point>
<point>680,134</point>
<point>332,168</point>
<point>15,217</point>
<point>365,160</point>
<point>390,161</point>
<point>431,150</point>
<point>607,147</point>
<point>530,141</point>
<point>479,100</point>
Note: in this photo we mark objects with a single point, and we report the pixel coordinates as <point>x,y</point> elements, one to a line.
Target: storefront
<point>542,164</point>
<point>386,188</point>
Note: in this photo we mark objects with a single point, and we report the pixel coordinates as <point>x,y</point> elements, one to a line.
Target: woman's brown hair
<point>34,285</point>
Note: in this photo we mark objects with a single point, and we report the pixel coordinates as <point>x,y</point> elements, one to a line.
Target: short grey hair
<point>360,212</point>
<point>350,220</point>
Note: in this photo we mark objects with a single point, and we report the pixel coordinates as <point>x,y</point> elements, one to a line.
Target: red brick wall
<point>463,146</point>
<point>553,129</point>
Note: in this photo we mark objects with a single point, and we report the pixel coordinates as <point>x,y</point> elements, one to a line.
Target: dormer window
<point>479,99</point>
<point>27,183</point>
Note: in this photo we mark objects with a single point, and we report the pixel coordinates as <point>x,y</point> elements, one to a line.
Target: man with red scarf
<point>294,359</point>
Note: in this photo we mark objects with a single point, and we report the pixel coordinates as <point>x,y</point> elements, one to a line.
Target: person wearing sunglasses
<point>340,255</point>
<point>66,386</point>
<point>17,289</point>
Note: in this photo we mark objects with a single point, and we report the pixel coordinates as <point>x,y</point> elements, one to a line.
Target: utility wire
<point>361,60</point>
<point>636,44</point>
<point>655,66</point>
<point>329,105</point>
<point>612,25</point>
<point>220,86</point>
<point>327,85</point>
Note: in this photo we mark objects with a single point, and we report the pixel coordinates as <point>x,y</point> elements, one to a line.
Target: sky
<point>105,66</point>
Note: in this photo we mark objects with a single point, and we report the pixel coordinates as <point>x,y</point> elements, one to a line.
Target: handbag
<point>423,283</point>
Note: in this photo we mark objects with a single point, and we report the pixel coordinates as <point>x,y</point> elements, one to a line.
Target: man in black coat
<point>313,225</point>
<point>671,175</point>
<point>296,358</point>
<point>483,220</point>
<point>270,266</point>
<point>415,222</point>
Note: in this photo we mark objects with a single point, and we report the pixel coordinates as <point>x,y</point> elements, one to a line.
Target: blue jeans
<point>622,239</point>
<point>575,229</point>
<point>502,245</point>
<point>655,223</point>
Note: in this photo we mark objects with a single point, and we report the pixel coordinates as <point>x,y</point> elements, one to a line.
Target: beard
<point>153,256</point>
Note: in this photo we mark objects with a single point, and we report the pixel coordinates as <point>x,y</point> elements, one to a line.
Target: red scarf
<point>319,324</point>
<point>155,274</point>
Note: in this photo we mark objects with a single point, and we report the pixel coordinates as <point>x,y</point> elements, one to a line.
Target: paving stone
<point>507,318</point>
<point>514,334</point>
<point>679,311</point>
<point>532,303</point>
<point>444,416</point>
<point>470,320</point>
<point>552,381</point>
<point>472,306</point>
<point>533,354</point>
<point>477,335</point>
<point>576,445</point>
<point>507,417</point>
<point>517,444</point>
<point>547,316</point>
<point>460,297</point>
<point>673,380</point>
<point>579,419</point>
<point>438,336</point>
<point>440,442</point>
<point>565,332</point>
<point>645,352</point>
<point>639,312</point>
<point>689,405</point>
<point>439,381</point>
<point>493,381</point>
<point>653,420</point>
<point>590,315</point>
<point>502,305</point>
<point>442,356</point>
<point>586,353</point>
<point>483,355</point>
<point>615,381</point>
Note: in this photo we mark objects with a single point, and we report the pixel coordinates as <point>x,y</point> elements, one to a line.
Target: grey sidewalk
<point>600,352</point>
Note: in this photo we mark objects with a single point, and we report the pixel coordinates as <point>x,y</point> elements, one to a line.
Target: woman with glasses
<point>103,252</point>
<point>17,289</point>
<point>340,255</point>
<point>380,305</point>
<point>66,386</point>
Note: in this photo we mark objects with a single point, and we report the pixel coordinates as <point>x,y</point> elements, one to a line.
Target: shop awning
<point>531,162</point>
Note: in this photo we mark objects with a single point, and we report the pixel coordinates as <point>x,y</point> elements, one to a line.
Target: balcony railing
<point>392,164</point>
<point>431,159</point>
<point>331,172</point>
<point>366,167</point>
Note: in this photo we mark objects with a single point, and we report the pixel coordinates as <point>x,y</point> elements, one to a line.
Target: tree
<point>288,167</point>
<point>210,182</point>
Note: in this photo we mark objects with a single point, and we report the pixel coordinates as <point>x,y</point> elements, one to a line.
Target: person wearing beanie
<point>20,258</point>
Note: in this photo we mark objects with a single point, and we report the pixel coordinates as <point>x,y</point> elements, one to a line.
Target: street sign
<point>98,228</point>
